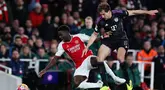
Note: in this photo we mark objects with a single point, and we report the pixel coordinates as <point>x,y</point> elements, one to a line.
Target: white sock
<point>110,72</point>
<point>87,85</point>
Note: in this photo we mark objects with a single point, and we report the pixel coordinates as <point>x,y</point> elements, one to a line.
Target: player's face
<point>106,15</point>
<point>63,35</point>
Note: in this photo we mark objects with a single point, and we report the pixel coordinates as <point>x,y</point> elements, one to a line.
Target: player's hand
<point>84,52</point>
<point>42,73</point>
<point>152,12</point>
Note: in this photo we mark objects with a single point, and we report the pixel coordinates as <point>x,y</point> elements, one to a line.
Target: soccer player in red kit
<point>74,45</point>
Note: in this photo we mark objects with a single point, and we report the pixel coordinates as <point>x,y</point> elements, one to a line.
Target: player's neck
<point>110,16</point>
<point>68,39</point>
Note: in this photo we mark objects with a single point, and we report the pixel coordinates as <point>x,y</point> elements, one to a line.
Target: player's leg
<point>118,80</point>
<point>83,70</point>
<point>122,49</point>
<point>78,79</point>
<point>121,54</point>
<point>81,82</point>
<point>107,69</point>
<point>103,52</point>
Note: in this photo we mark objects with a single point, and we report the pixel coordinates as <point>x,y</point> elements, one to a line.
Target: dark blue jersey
<point>113,27</point>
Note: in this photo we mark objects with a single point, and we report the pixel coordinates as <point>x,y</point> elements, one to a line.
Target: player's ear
<point>109,11</point>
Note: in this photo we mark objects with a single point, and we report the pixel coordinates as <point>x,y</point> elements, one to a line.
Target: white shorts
<point>85,67</point>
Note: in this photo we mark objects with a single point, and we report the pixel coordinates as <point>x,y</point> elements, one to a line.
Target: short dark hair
<point>64,28</point>
<point>103,6</point>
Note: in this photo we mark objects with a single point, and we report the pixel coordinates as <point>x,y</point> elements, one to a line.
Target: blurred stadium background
<point>28,40</point>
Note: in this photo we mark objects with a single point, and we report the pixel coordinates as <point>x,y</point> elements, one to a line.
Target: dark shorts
<point>115,44</point>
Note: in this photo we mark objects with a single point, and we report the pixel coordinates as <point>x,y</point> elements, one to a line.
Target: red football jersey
<point>74,48</point>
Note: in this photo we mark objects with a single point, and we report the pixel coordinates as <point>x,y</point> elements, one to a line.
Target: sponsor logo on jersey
<point>114,27</point>
<point>74,48</point>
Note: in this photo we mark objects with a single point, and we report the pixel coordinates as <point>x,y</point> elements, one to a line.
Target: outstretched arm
<point>51,64</point>
<point>59,52</point>
<point>92,39</point>
<point>138,12</point>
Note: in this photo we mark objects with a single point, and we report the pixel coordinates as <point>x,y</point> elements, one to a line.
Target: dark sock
<point>124,67</point>
<point>102,72</point>
<point>101,69</point>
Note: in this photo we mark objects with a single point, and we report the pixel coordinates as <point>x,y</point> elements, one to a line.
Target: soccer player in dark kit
<point>113,36</point>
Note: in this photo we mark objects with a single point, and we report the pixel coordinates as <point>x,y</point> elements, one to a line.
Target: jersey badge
<point>67,46</point>
<point>76,41</point>
<point>116,19</point>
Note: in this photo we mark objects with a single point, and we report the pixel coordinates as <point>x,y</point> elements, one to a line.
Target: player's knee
<point>78,80</point>
<point>120,58</point>
<point>102,57</point>
<point>77,83</point>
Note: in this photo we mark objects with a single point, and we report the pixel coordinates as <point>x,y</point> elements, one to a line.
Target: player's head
<point>63,32</point>
<point>104,10</point>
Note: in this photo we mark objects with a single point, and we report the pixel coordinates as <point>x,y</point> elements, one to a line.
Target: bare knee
<point>121,54</point>
<point>102,56</point>
<point>120,57</point>
<point>103,52</point>
<point>78,80</point>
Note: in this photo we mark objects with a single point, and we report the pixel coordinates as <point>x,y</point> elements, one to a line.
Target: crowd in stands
<point>28,30</point>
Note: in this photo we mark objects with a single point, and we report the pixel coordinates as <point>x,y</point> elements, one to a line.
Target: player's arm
<point>94,34</point>
<point>51,63</point>
<point>92,39</point>
<point>90,42</point>
<point>138,12</point>
<point>86,38</point>
<point>59,52</point>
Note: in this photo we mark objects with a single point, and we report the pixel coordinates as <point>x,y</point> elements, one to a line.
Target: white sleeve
<point>60,50</point>
<point>83,37</point>
<point>5,8</point>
